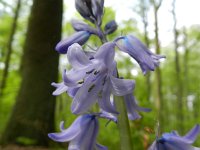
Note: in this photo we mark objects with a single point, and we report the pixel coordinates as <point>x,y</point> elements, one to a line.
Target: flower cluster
<point>173,141</point>
<point>94,78</point>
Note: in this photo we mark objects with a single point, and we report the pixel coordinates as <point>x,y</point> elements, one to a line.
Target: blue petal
<point>72,91</point>
<point>75,77</point>
<point>79,37</point>
<point>193,133</point>
<point>69,81</point>
<point>76,57</point>
<point>62,126</point>
<point>68,134</point>
<point>87,94</point>
<point>60,88</point>
<point>109,116</point>
<point>121,87</point>
<point>87,138</point>
<point>132,107</point>
<point>153,146</point>
<point>101,147</point>
<point>106,54</point>
<point>177,146</point>
<point>104,99</point>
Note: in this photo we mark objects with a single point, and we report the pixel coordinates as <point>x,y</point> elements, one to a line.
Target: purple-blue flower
<point>110,27</point>
<point>147,60</point>
<point>133,108</point>
<point>173,141</point>
<point>91,10</point>
<point>85,10</point>
<point>82,26</point>
<point>94,79</point>
<point>79,37</point>
<point>81,135</point>
<point>97,10</point>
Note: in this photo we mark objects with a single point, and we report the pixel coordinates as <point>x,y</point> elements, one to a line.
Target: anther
<point>104,80</point>
<point>80,82</point>
<point>91,87</point>
<point>88,72</point>
<point>96,72</point>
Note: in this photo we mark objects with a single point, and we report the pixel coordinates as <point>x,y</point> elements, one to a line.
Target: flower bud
<point>85,10</point>
<point>82,26</point>
<point>78,37</point>
<point>97,10</point>
<point>110,27</point>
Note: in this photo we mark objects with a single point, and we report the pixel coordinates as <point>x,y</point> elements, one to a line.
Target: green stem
<point>123,124</point>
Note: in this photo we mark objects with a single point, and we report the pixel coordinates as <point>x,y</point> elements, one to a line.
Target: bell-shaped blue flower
<point>173,141</point>
<point>79,37</point>
<point>147,60</point>
<point>81,135</point>
<point>94,79</point>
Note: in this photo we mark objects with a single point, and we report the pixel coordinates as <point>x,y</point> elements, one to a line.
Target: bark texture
<point>33,114</point>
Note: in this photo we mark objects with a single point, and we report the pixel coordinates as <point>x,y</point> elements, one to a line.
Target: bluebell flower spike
<point>81,135</point>
<point>110,27</point>
<point>173,141</point>
<point>147,60</point>
<point>80,37</point>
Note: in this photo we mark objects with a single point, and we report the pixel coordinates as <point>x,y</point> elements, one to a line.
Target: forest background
<point>29,31</point>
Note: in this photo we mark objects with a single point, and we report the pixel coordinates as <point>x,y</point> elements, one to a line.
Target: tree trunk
<point>159,94</point>
<point>9,47</point>
<point>178,73</point>
<point>186,79</point>
<point>32,117</point>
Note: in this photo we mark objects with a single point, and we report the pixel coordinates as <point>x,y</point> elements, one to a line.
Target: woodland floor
<point>14,147</point>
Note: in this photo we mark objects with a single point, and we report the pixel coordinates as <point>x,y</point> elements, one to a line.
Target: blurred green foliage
<point>143,130</point>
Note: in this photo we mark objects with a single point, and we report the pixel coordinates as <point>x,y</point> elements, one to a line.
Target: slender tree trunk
<point>9,47</point>
<point>186,79</point>
<point>32,117</point>
<point>159,94</point>
<point>178,72</point>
